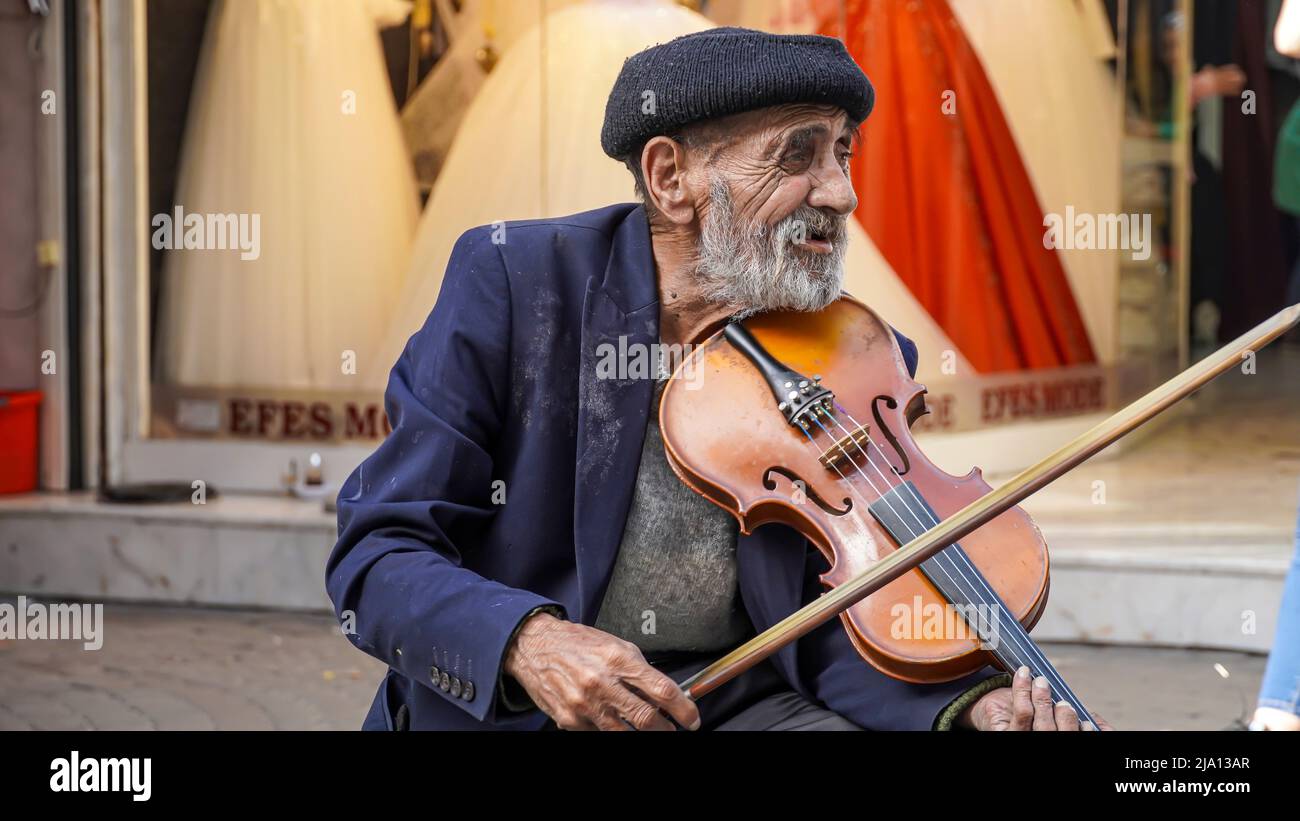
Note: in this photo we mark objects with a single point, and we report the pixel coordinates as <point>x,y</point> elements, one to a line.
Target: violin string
<point>872,484</point>
<point>1016,630</point>
<point>943,558</point>
<point>955,558</point>
<point>948,560</point>
<point>959,557</point>
<point>882,495</point>
<point>964,586</point>
<point>941,563</point>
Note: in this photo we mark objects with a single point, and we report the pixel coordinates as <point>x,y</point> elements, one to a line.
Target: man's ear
<point>663,167</point>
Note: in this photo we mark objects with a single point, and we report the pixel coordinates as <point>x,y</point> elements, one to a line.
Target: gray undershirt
<point>674,585</point>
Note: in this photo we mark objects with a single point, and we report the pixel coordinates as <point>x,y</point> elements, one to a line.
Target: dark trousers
<point>757,700</point>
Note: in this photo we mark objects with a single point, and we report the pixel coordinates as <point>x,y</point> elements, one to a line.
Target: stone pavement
<point>190,669</point>
<point>201,669</point>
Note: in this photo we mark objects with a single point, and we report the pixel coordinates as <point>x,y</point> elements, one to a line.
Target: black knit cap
<point>724,71</point>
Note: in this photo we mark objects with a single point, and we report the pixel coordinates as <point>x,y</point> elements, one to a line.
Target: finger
<point>567,719</point>
<point>561,709</point>
<point>1022,706</point>
<point>663,692</point>
<point>640,714</point>
<point>1067,719</point>
<point>609,721</point>
<point>1100,724</point>
<point>1044,709</point>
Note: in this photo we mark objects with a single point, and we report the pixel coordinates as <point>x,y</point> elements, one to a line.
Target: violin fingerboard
<point>905,514</point>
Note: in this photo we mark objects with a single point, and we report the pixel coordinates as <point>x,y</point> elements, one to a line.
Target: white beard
<point>760,269</point>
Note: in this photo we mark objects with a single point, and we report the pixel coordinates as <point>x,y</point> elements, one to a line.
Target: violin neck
<point>905,514</point>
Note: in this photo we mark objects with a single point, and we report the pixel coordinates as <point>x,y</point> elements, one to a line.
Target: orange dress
<point>945,195</point>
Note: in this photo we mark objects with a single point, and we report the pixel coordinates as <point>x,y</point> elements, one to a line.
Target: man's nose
<point>833,191</point>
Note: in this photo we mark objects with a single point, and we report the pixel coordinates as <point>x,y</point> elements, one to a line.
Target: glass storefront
<point>308,167</point>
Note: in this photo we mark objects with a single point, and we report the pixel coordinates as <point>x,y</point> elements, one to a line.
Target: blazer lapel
<point>619,314</point>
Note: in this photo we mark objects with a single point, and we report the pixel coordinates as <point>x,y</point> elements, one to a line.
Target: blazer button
<point>445,682</point>
<point>455,687</point>
<point>434,672</point>
<point>468,692</point>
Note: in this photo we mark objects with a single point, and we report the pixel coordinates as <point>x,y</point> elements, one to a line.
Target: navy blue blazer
<point>507,478</point>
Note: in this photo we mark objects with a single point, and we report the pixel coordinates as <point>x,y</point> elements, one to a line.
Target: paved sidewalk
<point>196,669</point>
<point>190,669</point>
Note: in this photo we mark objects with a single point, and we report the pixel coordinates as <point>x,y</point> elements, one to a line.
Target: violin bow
<point>992,504</point>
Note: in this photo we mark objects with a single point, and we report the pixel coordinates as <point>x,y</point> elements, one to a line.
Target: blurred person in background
<point>1278,707</point>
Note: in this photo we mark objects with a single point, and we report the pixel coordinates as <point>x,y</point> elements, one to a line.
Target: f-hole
<point>808,491</point>
<point>892,404</point>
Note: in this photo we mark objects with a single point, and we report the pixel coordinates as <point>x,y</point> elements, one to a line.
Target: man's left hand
<point>1025,705</point>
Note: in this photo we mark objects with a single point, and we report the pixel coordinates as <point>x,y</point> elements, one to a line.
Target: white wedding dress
<point>291,119</point>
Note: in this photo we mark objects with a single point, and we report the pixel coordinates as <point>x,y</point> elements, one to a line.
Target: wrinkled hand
<point>1025,705</point>
<point>586,679</point>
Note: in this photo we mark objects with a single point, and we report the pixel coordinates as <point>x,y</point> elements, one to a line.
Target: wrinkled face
<point>773,218</point>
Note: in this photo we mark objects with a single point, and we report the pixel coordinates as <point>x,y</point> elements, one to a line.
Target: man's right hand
<point>586,679</point>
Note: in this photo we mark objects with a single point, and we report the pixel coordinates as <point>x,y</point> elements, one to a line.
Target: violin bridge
<point>837,455</point>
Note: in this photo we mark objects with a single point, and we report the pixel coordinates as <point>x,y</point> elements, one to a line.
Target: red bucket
<point>19,415</point>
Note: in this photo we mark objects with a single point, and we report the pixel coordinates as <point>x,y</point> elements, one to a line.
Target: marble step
<point>1140,583</point>
<point>1210,595</point>
<point>244,551</point>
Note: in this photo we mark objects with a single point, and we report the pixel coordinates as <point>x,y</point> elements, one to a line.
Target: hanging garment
<point>945,194</point>
<point>1255,279</point>
<point>292,121</point>
<point>529,147</point>
<point>1063,104</point>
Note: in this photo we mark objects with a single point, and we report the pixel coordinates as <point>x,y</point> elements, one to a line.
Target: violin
<point>805,419</point>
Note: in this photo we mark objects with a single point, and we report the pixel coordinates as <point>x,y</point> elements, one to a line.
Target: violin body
<point>726,440</point>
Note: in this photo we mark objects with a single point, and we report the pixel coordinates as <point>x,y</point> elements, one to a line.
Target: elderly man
<point>518,550</point>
